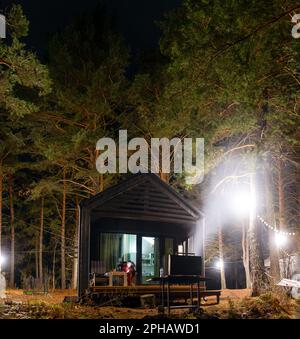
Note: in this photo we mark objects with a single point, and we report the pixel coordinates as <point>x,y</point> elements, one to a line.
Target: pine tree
<point>23,81</point>
<point>237,81</point>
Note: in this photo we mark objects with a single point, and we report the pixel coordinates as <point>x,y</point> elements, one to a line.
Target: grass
<point>267,306</point>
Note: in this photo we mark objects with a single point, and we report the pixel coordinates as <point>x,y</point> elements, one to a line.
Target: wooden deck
<point>177,291</point>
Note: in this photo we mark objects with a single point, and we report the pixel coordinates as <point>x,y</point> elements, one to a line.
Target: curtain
<point>110,250</point>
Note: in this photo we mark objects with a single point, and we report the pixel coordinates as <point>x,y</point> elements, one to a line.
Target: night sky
<point>135,19</point>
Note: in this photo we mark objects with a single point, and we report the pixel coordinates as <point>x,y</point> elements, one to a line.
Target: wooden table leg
<point>110,279</point>
<point>125,282</point>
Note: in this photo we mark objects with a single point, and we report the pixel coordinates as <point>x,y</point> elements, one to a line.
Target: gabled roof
<point>143,196</point>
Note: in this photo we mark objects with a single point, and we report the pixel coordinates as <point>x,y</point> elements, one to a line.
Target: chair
<point>97,275</point>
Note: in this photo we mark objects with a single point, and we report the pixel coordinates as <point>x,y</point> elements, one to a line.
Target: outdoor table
<point>117,274</point>
<point>167,281</point>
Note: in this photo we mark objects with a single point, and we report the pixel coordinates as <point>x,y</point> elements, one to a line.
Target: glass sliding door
<point>150,258</point>
<point>116,247</point>
<point>143,251</point>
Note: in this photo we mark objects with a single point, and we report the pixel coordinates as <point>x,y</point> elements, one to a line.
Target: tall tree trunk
<point>246,258</point>
<point>53,267</point>
<point>12,231</point>
<point>1,191</point>
<point>164,176</point>
<point>41,239</point>
<point>258,277</point>
<point>75,253</point>
<point>282,209</point>
<point>256,257</point>
<point>100,177</point>
<point>270,217</point>
<point>235,269</point>
<point>37,257</point>
<point>63,232</point>
<point>221,255</point>
<point>281,197</point>
<point>101,183</point>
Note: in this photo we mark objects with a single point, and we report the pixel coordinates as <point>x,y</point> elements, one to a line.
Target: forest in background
<point>226,71</point>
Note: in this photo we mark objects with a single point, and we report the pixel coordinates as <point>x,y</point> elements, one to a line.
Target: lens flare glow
<point>219,264</point>
<point>280,239</point>
<point>242,203</point>
<point>2,259</point>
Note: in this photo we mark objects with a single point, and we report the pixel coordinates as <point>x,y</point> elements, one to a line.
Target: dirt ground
<point>58,296</point>
<point>18,305</point>
<point>55,297</point>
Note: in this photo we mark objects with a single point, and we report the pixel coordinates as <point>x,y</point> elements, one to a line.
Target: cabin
<point>142,220</point>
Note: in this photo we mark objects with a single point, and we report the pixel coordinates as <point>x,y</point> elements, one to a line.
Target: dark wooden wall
<point>142,205</point>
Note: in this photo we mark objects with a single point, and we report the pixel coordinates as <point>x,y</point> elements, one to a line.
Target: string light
<point>274,229</point>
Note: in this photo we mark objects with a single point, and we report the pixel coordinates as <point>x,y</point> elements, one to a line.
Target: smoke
<point>226,197</point>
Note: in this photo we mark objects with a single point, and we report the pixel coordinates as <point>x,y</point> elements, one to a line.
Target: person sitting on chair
<point>130,270</point>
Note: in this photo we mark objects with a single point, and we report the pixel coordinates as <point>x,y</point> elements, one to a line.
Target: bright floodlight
<point>219,264</point>
<point>280,239</point>
<point>242,202</point>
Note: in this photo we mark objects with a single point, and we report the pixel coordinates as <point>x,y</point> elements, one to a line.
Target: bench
<point>97,275</point>
<point>209,293</point>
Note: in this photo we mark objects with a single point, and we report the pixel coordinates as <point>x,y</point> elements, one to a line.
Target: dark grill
<point>185,265</point>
